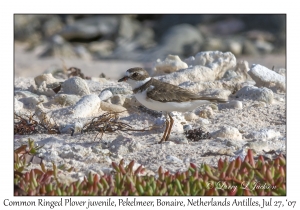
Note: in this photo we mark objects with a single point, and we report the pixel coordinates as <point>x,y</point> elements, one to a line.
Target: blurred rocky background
<point>111,43</point>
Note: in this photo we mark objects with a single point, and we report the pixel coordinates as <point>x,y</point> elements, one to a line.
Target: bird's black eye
<point>135,74</point>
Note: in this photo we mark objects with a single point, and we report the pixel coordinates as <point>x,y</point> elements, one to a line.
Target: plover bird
<point>161,96</point>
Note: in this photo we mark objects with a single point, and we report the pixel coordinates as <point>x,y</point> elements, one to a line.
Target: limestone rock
<point>229,74</point>
<point>265,77</point>
<point>111,107</point>
<point>220,88</point>
<point>171,64</point>
<point>189,116</point>
<point>42,89</point>
<point>207,66</point>
<point>104,47</point>
<point>105,95</point>
<point>280,71</point>
<point>190,75</point>
<point>43,114</point>
<point>58,47</point>
<point>76,86</point>
<point>31,102</point>
<point>113,91</point>
<point>254,93</point>
<point>25,94</point>
<point>86,106</point>
<point>264,134</point>
<point>181,37</point>
<point>178,138</point>
<point>48,78</point>
<point>119,90</point>
<point>91,27</point>
<point>66,100</point>
<point>118,100</point>
<point>231,105</point>
<point>218,61</point>
<point>207,112</point>
<point>242,68</point>
<point>227,132</point>
<point>203,121</point>
<point>190,61</point>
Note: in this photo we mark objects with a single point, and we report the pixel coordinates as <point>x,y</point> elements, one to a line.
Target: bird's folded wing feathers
<point>173,93</point>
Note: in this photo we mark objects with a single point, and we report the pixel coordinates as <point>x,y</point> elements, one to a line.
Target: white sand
<point>85,154</point>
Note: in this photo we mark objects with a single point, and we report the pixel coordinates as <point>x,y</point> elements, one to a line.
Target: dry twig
<point>24,125</point>
<point>108,122</point>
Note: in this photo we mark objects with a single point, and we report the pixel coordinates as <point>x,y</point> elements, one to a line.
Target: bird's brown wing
<point>173,93</point>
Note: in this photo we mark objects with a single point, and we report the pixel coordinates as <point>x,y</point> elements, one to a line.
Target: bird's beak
<point>123,79</point>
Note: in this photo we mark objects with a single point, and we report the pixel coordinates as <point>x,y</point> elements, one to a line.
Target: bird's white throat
<point>137,83</point>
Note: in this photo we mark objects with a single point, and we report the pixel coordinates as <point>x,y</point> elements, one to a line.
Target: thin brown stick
<point>108,122</point>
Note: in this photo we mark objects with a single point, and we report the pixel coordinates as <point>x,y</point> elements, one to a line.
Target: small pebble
<point>231,105</point>
<point>112,107</point>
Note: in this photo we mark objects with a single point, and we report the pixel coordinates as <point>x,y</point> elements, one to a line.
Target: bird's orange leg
<point>166,130</point>
<point>170,127</point>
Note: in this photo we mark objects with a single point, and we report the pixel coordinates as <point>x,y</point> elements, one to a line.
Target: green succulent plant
<point>238,177</point>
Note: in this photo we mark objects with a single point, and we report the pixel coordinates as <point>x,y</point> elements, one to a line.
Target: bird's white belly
<point>168,106</point>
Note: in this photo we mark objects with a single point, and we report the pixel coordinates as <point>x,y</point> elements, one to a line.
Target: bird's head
<point>135,77</point>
